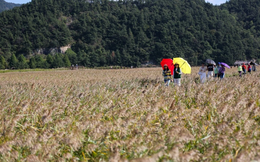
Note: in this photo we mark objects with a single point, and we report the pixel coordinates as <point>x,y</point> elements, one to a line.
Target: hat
<point>165,65</point>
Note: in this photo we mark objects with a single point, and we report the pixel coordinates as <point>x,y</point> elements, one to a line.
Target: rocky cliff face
<point>52,50</point>
<point>65,48</point>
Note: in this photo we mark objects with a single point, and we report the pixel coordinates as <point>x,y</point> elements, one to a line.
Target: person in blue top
<point>177,75</point>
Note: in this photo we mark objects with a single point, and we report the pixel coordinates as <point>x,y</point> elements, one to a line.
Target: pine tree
<point>84,58</point>
<point>102,56</point>
<point>118,58</point>
<point>32,63</point>
<point>72,56</point>
<point>58,62</point>
<point>13,62</point>
<point>22,62</point>
<point>2,62</point>
<point>66,61</point>
<point>40,63</point>
<point>49,61</point>
<point>95,60</point>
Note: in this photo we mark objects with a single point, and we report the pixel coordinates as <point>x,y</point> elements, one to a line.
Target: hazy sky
<point>217,1</point>
<point>18,1</point>
<point>25,1</point>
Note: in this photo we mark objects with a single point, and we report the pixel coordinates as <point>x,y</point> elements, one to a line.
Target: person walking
<point>202,73</point>
<point>244,68</point>
<point>177,75</point>
<point>253,67</point>
<point>216,68</point>
<point>222,71</point>
<point>167,75</point>
<point>239,68</point>
<point>249,68</point>
<point>210,69</point>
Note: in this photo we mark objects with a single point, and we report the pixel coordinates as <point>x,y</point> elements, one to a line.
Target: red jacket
<point>244,67</point>
<point>249,67</point>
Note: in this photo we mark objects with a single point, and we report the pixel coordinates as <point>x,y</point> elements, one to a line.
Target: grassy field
<point>128,115</point>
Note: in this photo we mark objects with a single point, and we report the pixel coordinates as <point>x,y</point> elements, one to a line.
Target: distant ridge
<point>7,6</point>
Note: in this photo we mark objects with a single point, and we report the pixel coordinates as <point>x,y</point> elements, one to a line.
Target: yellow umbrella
<point>184,65</point>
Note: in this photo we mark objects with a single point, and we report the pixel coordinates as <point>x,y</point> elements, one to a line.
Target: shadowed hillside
<point>128,33</point>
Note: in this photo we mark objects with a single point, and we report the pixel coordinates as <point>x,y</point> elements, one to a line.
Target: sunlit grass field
<point>128,115</point>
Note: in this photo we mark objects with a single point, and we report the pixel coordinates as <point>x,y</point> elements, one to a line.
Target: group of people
<point>242,69</point>
<point>74,67</point>
<point>217,71</point>
<point>167,74</point>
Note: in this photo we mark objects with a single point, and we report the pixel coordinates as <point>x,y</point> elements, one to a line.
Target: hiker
<point>221,71</point>
<point>216,68</point>
<point>253,68</point>
<point>202,73</point>
<point>249,68</point>
<point>177,75</point>
<point>167,75</point>
<point>239,68</point>
<point>210,69</point>
<point>244,68</point>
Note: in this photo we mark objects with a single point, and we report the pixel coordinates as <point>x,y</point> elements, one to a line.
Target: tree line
<point>38,61</point>
<point>128,33</point>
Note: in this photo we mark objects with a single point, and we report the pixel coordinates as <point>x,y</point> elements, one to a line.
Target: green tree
<point>66,61</point>
<point>2,62</point>
<point>83,58</point>
<point>118,58</point>
<point>57,61</point>
<point>49,61</point>
<point>13,62</point>
<point>72,56</point>
<point>40,62</point>
<point>32,63</point>
<point>22,64</point>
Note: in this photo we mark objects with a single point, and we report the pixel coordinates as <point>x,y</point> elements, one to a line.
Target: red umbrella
<point>169,63</point>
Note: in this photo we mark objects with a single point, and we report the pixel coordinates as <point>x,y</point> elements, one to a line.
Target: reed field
<point>128,115</point>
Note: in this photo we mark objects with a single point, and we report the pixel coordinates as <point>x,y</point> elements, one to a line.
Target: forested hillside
<point>131,32</point>
<point>247,13</point>
<point>7,6</point>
